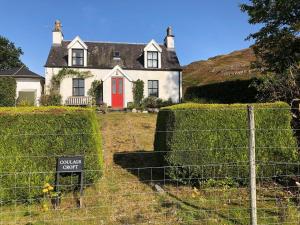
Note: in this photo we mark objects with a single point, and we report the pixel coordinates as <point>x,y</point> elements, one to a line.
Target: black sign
<point>71,164</point>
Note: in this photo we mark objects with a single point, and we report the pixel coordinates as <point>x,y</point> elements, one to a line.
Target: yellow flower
<point>46,185</point>
<point>196,191</point>
<point>45,207</point>
<point>50,188</point>
<point>45,190</point>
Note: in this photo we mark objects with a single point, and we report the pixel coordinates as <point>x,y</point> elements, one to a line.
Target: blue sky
<point>203,28</point>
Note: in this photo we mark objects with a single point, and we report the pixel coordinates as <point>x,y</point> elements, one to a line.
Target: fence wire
<point>136,186</point>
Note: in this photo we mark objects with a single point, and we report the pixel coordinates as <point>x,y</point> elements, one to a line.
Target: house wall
<point>29,84</point>
<point>169,83</point>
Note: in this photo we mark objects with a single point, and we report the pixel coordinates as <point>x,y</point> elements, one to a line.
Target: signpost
<point>68,166</point>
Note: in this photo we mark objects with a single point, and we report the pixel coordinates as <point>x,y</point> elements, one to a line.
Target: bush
<point>32,138</point>
<point>210,141</point>
<point>130,105</point>
<point>138,92</point>
<point>154,102</point>
<point>50,100</point>
<point>277,87</point>
<point>8,87</point>
<point>24,103</point>
<point>225,92</point>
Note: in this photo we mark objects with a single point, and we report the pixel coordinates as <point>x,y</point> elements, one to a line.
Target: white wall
<point>29,84</point>
<point>169,85</point>
<point>57,37</point>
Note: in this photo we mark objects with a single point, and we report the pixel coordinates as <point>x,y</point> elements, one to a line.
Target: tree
<point>9,54</point>
<point>277,43</point>
<point>277,47</point>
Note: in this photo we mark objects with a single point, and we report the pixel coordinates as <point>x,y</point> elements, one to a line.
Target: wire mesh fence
<point>138,185</point>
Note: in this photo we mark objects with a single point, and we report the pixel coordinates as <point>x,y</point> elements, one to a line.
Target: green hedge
<point>32,138</point>
<point>7,91</point>
<point>210,141</point>
<point>225,92</point>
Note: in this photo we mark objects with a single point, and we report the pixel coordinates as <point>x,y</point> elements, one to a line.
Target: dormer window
<point>152,59</point>
<point>152,55</point>
<point>77,53</point>
<point>77,57</point>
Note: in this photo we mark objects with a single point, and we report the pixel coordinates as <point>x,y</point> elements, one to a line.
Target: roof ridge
<point>116,42</point>
<point>18,70</point>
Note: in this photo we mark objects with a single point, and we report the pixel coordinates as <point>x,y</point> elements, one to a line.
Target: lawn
<point>126,193</point>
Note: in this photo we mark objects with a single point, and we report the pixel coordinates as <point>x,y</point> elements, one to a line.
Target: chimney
<point>57,35</point>
<point>169,39</point>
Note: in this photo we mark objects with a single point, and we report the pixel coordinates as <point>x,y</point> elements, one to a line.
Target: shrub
<point>52,99</point>
<point>277,87</point>
<point>32,138</point>
<point>210,141</point>
<point>8,87</point>
<point>138,92</point>
<point>24,103</point>
<point>130,105</point>
<point>152,102</point>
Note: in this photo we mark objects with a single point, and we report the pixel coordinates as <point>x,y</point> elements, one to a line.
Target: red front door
<point>117,92</point>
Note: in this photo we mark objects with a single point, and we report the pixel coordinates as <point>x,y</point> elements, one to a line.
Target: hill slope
<point>233,66</point>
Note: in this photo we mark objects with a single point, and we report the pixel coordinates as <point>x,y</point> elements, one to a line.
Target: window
<point>77,57</point>
<point>152,60</point>
<point>114,84</point>
<point>153,88</point>
<point>78,87</point>
<point>117,54</point>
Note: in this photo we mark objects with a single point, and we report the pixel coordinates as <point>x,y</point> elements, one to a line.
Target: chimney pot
<point>57,26</point>
<point>57,35</point>
<point>170,31</point>
<point>169,39</point>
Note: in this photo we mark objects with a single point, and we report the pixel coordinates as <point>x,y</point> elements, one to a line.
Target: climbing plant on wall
<point>66,72</point>
<point>138,92</point>
<point>95,91</point>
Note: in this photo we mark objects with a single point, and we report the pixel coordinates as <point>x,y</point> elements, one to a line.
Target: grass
<point>127,196</point>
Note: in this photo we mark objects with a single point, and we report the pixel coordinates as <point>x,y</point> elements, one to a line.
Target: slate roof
<point>100,56</point>
<point>20,72</point>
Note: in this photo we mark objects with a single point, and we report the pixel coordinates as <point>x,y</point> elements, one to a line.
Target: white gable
<point>152,46</point>
<point>77,43</point>
<point>117,71</point>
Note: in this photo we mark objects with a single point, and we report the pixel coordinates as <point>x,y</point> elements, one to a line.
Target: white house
<point>29,84</point>
<point>117,65</point>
